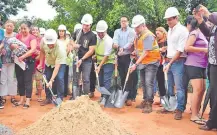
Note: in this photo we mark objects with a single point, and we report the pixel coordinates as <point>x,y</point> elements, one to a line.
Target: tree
<point>11,7</point>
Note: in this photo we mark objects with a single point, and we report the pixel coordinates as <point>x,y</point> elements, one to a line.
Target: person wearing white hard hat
<point>147,60</point>
<point>174,65</point>
<point>55,64</point>
<point>123,42</point>
<point>64,42</point>
<point>105,56</point>
<point>42,31</point>
<point>77,27</point>
<point>84,40</point>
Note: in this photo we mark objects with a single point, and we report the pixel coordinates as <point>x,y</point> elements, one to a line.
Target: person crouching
<point>55,64</point>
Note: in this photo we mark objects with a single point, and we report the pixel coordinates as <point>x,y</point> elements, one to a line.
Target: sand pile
<point>79,117</point>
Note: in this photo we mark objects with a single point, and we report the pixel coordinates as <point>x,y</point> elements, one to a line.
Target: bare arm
<point>144,54</point>
<point>55,72</point>
<point>33,45</point>
<point>89,53</point>
<point>189,45</point>
<point>105,58</point>
<point>177,55</point>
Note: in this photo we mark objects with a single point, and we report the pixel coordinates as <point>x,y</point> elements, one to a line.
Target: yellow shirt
<point>56,55</point>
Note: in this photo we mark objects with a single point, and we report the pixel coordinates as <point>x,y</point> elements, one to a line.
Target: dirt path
<point>130,117</point>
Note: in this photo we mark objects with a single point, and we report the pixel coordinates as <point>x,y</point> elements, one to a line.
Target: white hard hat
<point>68,33</point>
<point>77,27</point>
<point>50,37</point>
<point>171,12</point>
<point>62,27</point>
<point>42,31</point>
<point>137,20</point>
<point>87,19</point>
<point>101,26</point>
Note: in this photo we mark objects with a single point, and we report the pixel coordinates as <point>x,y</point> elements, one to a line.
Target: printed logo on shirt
<point>85,44</point>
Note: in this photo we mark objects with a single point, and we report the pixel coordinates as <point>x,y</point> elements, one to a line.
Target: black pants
<point>212,122</point>
<point>123,65</point>
<point>92,78</point>
<point>161,81</point>
<point>24,78</point>
<point>66,82</point>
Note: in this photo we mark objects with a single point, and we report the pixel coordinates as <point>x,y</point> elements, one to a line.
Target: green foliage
<point>70,12</point>
<point>11,7</point>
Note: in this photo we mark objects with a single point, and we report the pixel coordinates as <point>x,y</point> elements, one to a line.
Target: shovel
<point>169,104</point>
<point>122,94</point>
<point>56,101</point>
<point>111,99</point>
<point>76,89</point>
<point>102,90</point>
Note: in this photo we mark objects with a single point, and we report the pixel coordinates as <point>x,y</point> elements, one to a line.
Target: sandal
<point>14,101</point>
<point>40,99</point>
<point>25,106</point>
<point>199,121</point>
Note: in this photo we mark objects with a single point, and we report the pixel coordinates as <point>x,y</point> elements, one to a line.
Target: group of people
<point>179,56</point>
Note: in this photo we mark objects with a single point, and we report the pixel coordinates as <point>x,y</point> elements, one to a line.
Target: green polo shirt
<point>56,55</point>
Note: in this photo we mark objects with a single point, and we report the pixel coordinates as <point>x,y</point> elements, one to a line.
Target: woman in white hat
<point>63,41</point>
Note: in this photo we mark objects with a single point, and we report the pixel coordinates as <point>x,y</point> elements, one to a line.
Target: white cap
<point>101,26</point>
<point>50,37</point>
<point>137,20</point>
<point>171,12</point>
<point>68,33</point>
<point>62,27</point>
<point>42,31</point>
<point>77,27</point>
<point>87,19</point>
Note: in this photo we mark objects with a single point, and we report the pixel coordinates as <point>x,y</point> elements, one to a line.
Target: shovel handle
<point>45,80</point>
<point>166,76</point>
<point>77,69</point>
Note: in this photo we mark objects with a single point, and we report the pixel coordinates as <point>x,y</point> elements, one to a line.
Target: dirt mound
<point>79,117</point>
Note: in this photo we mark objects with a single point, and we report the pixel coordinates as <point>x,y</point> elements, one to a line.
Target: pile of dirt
<point>79,117</point>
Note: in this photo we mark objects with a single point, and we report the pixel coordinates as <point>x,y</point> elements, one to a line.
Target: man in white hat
<point>105,57</point>
<point>176,39</point>
<point>148,59</point>
<point>55,64</point>
<point>86,42</point>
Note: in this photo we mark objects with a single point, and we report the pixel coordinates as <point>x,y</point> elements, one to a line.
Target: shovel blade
<point>75,92</point>
<point>103,91</point>
<point>173,103</point>
<point>121,99</point>
<point>111,100</point>
<point>165,102</point>
<point>57,101</point>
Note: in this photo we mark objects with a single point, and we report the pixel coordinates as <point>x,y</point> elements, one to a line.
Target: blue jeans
<point>147,76</point>
<point>105,75</point>
<point>59,81</point>
<point>175,78</point>
<point>85,68</point>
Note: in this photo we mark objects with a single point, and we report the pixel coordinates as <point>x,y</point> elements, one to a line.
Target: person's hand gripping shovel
<point>56,100</point>
<point>122,94</point>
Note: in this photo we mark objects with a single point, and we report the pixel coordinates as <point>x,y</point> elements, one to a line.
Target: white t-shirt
<point>176,40</point>
<point>108,42</point>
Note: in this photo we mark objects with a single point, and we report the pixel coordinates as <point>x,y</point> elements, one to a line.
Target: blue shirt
<point>1,34</point>
<point>125,39</point>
